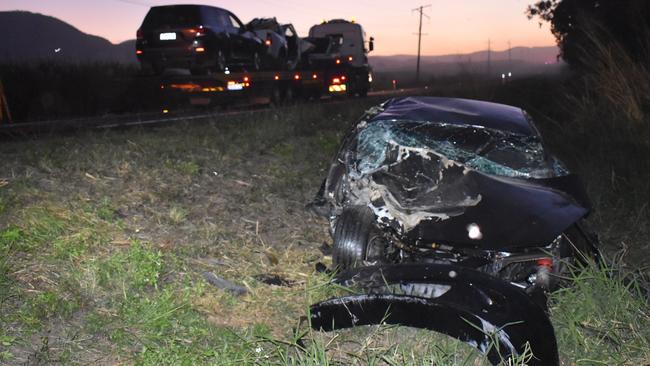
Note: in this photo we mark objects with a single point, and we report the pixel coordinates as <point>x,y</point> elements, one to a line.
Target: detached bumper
<point>495,317</point>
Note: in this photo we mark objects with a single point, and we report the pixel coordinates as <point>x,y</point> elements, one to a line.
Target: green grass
<point>104,242</point>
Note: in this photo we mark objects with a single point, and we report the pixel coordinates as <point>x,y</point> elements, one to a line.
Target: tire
<point>357,242</point>
<point>220,62</point>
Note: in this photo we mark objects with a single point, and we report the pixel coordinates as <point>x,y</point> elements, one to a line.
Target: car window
<point>172,16</point>
<point>288,32</point>
<point>234,21</point>
<point>215,19</point>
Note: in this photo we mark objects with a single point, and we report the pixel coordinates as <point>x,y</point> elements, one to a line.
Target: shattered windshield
<point>486,150</point>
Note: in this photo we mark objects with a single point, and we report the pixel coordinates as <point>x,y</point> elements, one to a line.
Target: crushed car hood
<point>454,172</point>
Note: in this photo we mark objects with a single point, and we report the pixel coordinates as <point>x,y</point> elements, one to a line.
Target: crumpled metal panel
<point>495,317</point>
<point>430,168</point>
<point>457,111</point>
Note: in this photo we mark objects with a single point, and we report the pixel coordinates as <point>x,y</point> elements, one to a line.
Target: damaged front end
<point>452,216</point>
<point>454,181</point>
<point>496,318</point>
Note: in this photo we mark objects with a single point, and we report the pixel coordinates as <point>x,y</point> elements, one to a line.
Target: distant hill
<point>31,36</point>
<point>517,55</point>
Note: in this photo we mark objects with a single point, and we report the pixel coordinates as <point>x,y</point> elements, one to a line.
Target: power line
<point>420,9</point>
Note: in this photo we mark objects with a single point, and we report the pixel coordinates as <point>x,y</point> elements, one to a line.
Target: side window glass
<point>225,20</point>
<point>215,20</point>
<point>235,23</point>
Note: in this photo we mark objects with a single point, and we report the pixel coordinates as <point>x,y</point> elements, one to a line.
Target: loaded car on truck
<point>196,37</point>
<point>205,56</point>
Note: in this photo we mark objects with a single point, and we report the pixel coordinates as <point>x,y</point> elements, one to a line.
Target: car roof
<point>190,5</point>
<point>458,112</point>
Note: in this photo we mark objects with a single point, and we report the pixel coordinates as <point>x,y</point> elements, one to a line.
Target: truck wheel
<point>357,242</point>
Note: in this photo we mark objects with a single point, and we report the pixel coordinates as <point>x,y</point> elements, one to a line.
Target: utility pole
<point>509,56</point>
<point>489,58</point>
<point>420,9</point>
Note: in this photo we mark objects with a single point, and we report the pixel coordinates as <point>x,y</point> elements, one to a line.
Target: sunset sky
<point>455,26</point>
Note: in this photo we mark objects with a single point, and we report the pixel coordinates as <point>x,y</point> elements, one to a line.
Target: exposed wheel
<point>220,61</point>
<point>357,242</point>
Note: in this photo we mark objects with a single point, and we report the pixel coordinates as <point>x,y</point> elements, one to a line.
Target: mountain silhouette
<point>30,36</point>
<point>517,55</point>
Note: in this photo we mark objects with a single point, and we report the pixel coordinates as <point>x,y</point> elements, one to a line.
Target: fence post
<point>5,115</point>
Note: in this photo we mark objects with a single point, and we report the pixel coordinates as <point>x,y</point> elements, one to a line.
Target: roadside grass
<point>105,236</point>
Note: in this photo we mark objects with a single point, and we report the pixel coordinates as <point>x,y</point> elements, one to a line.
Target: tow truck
<point>334,62</point>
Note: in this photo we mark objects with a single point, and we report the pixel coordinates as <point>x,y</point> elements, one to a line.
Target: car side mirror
<point>371,44</point>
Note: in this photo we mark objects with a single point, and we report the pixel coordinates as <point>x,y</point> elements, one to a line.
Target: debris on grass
<point>223,284</point>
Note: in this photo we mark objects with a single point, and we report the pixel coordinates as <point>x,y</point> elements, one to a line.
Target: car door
<point>236,42</point>
<point>247,40</point>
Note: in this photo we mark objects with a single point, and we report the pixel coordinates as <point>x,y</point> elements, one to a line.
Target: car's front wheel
<point>357,242</point>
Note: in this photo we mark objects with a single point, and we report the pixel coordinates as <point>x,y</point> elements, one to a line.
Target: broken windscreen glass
<point>486,150</point>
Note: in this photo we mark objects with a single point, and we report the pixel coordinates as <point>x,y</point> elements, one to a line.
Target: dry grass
<point>105,236</point>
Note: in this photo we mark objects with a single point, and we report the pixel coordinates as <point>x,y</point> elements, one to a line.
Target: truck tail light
<point>268,41</point>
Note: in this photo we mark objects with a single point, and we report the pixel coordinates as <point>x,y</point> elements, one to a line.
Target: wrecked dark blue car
<point>452,216</point>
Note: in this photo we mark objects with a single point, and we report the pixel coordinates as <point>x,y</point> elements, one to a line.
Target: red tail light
<point>197,31</point>
<point>338,61</point>
<point>350,58</point>
<point>139,34</point>
<point>268,41</point>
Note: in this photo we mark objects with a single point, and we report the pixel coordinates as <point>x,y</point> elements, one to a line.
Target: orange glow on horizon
<point>454,27</point>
